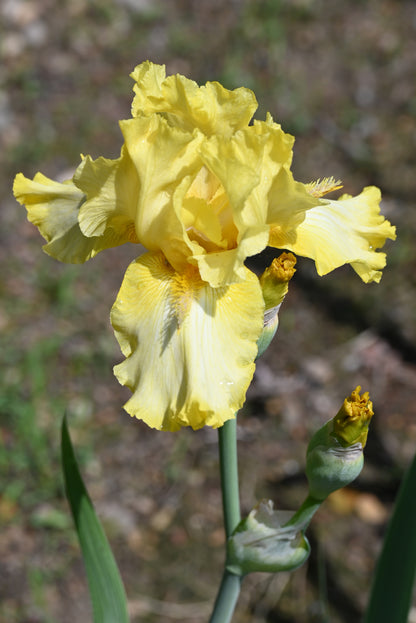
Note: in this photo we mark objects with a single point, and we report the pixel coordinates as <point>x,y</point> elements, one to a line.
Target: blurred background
<point>340,76</point>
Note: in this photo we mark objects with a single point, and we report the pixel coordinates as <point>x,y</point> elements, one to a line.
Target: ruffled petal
<point>53,207</point>
<point>210,108</point>
<point>253,166</point>
<point>346,231</point>
<point>189,348</point>
<point>163,157</point>
<point>111,187</point>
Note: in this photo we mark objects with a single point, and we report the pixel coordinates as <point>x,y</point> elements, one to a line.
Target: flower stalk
<point>231,584</point>
<point>227,597</point>
<point>227,437</point>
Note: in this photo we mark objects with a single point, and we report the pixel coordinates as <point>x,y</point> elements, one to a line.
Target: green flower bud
<point>275,284</point>
<point>261,543</point>
<point>335,454</point>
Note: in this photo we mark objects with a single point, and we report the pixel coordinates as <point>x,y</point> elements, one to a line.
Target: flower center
<point>207,213</point>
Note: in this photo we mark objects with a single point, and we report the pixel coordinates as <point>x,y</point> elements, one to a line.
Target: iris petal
<point>346,231</point>
<point>210,108</point>
<point>111,188</point>
<point>53,207</point>
<point>163,157</point>
<point>253,166</point>
<point>189,348</point>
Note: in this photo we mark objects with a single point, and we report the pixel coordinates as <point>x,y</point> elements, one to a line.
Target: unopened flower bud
<point>350,425</point>
<point>262,543</point>
<point>275,284</point>
<point>335,454</point>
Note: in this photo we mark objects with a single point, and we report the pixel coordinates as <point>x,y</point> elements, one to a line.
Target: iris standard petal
<point>163,157</point>
<point>189,348</point>
<point>210,108</point>
<point>253,168</point>
<point>345,231</point>
<point>53,207</point>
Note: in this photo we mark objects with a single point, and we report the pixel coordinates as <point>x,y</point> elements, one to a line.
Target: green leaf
<point>106,588</point>
<point>391,594</point>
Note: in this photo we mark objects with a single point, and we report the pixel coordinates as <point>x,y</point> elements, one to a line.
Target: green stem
<point>227,598</point>
<point>227,438</point>
<point>230,586</point>
<point>305,513</point>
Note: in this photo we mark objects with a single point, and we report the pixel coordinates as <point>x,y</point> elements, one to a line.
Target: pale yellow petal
<point>163,157</point>
<point>189,348</point>
<point>253,167</point>
<point>53,207</point>
<point>210,108</point>
<point>288,204</point>
<point>203,206</point>
<point>344,231</point>
<point>149,78</point>
<point>227,267</point>
<point>112,188</point>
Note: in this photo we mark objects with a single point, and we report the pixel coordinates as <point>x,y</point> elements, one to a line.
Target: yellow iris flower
<point>202,190</point>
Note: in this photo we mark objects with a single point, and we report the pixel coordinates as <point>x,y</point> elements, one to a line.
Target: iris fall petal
<point>346,231</point>
<point>53,207</point>
<point>189,355</point>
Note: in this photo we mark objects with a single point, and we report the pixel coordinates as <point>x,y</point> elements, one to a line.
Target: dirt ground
<point>341,78</point>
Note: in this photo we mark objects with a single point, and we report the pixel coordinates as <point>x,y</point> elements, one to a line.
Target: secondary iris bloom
<point>202,190</point>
